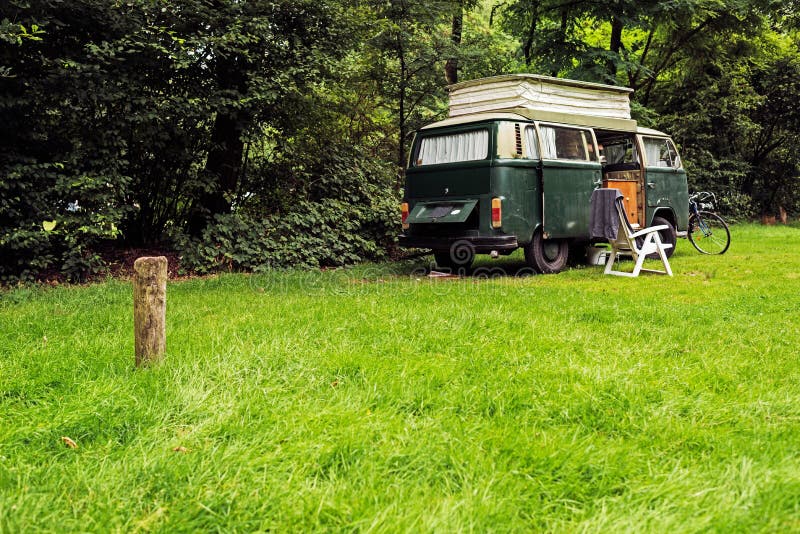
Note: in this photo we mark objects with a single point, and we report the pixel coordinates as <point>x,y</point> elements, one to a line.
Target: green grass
<point>373,398</point>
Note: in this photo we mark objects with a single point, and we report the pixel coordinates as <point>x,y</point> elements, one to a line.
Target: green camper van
<point>515,166</point>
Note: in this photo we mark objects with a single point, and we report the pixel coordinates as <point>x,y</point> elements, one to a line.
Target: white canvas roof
<point>540,94</point>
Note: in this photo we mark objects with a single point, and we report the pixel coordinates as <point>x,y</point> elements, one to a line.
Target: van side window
<point>661,153</point>
<point>449,148</point>
<point>531,143</point>
<point>620,151</point>
<point>566,143</point>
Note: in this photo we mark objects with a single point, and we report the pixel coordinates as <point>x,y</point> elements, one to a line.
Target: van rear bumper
<point>480,244</point>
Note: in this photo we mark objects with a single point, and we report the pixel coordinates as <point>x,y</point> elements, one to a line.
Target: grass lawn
<point>374,398</point>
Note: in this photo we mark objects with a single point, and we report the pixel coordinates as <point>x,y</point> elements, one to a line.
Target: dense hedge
<point>331,209</point>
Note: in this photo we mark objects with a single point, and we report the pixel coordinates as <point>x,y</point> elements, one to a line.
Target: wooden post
<point>149,309</point>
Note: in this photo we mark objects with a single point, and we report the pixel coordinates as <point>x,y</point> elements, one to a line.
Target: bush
<point>736,207</point>
<point>337,209</point>
<point>51,216</point>
<point>329,233</point>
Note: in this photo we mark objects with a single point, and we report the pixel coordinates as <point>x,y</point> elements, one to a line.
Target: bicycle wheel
<point>709,233</point>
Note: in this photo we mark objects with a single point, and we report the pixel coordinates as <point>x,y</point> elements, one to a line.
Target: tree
<point>62,162</point>
<point>258,55</point>
<point>121,119</point>
<point>733,108</point>
<point>404,55</point>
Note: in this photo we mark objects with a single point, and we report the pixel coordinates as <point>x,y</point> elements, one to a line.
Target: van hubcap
<point>550,250</point>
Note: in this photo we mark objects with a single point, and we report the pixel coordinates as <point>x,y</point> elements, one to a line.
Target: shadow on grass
<point>357,278</point>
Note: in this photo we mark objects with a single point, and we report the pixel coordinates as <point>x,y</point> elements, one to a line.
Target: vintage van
<point>515,166</point>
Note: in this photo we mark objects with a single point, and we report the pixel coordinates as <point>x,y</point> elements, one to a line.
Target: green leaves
<point>18,33</point>
<point>340,211</point>
<point>114,109</point>
<point>129,121</point>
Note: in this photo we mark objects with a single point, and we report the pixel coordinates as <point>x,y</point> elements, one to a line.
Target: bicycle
<point>708,232</point>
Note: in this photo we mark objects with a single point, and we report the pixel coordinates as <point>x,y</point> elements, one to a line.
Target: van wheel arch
<point>537,227</point>
<point>668,215</point>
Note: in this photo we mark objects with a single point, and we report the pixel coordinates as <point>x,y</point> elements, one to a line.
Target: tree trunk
<point>401,149</point>
<point>224,161</point>
<point>527,47</point>
<point>562,34</point>
<point>633,77</point>
<point>451,65</point>
<point>615,45</point>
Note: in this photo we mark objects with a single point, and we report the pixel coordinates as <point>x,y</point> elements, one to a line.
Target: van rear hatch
<point>458,180</point>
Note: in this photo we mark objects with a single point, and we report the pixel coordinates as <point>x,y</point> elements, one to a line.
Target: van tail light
<point>404,214</point>
<point>497,213</point>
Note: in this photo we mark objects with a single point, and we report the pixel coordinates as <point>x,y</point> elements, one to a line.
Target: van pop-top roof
<point>545,98</point>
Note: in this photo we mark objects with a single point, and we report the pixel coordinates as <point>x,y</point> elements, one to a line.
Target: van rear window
<point>450,148</point>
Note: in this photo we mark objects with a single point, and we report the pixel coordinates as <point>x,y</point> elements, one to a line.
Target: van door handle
<point>598,183</point>
<point>651,185</point>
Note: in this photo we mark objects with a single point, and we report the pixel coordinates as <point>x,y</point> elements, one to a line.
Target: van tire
<point>667,236</point>
<point>547,256</point>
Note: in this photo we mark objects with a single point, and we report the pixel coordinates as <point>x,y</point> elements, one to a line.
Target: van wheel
<point>547,256</point>
<point>667,236</point>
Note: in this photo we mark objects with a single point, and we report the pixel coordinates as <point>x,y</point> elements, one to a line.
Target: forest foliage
<point>253,133</point>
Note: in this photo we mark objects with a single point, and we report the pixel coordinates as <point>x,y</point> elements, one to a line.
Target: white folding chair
<point>637,244</point>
